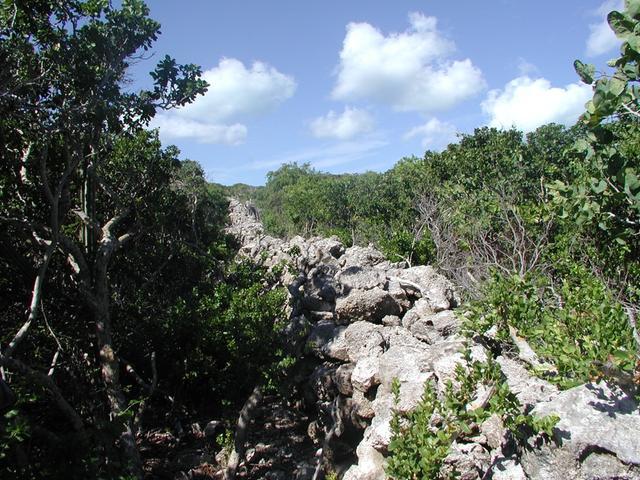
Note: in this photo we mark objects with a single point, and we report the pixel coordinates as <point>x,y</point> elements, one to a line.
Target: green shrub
<point>422,438</point>
<point>575,325</point>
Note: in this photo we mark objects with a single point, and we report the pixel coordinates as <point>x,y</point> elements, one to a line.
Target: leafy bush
<point>422,438</point>
<point>575,325</point>
<point>229,336</point>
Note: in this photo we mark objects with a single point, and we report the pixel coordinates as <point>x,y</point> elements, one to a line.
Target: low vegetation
<point>122,310</point>
<point>422,438</point>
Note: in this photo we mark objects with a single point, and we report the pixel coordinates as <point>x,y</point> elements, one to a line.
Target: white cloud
<point>175,127</point>
<point>601,38</point>
<point>411,71</point>
<point>350,123</point>
<point>526,68</point>
<point>527,103</point>
<point>435,134</point>
<point>324,157</point>
<point>235,93</point>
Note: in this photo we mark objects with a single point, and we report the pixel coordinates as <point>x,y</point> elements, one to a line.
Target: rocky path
<point>358,323</point>
<point>278,447</point>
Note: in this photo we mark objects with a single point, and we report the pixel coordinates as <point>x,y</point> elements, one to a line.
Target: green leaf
<point>585,71</point>
<point>621,25</point>
<point>632,8</point>
<point>616,86</point>
<point>599,187</point>
<point>633,42</point>
<point>631,182</point>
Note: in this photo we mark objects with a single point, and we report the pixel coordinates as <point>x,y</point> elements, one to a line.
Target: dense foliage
<point>359,209</point>
<point>117,290</point>
<point>117,293</point>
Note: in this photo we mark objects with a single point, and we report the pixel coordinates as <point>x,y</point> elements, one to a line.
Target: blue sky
<point>356,85</point>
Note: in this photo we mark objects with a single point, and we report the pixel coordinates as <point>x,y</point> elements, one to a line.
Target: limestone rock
<point>596,417</point>
<point>370,465</point>
<point>446,356</point>
<point>602,466</point>
<point>361,257</point>
<point>421,308</point>
<point>528,389</point>
<point>398,293</point>
<point>370,305</point>
<point>331,245</point>
<point>494,431</point>
<point>365,374</point>
<point>363,339</point>
<point>364,406</point>
<point>391,321</point>
<point>468,460</point>
<point>438,290</point>
<point>507,469</point>
<point>360,278</point>
<point>342,378</point>
<point>326,340</point>
<point>435,328</point>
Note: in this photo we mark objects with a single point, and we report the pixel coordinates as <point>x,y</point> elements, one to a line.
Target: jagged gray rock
<point>438,290</point>
<point>368,305</point>
<point>360,278</point>
<point>594,418</point>
<point>362,322</point>
<point>361,257</point>
<point>468,460</point>
<point>435,328</point>
<point>366,374</point>
<point>528,388</point>
<point>326,340</point>
<point>363,339</point>
<point>507,469</point>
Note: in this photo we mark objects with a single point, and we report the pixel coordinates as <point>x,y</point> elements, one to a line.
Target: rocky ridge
<point>361,321</point>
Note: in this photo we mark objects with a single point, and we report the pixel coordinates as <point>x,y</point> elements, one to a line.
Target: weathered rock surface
<point>594,419</point>
<point>360,322</point>
<point>529,389</point>
<point>368,305</point>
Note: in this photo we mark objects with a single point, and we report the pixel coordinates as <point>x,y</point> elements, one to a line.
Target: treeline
<point>470,179</point>
<point>120,310</point>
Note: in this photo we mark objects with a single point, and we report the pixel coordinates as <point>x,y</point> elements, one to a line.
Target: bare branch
<point>46,322</point>
<point>36,296</point>
<point>54,362</point>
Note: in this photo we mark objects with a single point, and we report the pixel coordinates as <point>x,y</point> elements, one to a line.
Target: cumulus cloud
<point>411,71</point>
<point>436,135</point>
<point>349,124</point>
<point>235,93</point>
<point>601,38</point>
<point>175,127</point>
<point>527,103</point>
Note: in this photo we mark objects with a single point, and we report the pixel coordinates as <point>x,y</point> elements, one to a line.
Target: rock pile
<point>365,321</point>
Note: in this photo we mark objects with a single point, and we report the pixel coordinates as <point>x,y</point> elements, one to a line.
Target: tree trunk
<point>246,414</point>
<point>110,372</point>
<point>109,364</point>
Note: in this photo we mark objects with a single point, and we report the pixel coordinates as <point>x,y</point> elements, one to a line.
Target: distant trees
<point>363,208</point>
